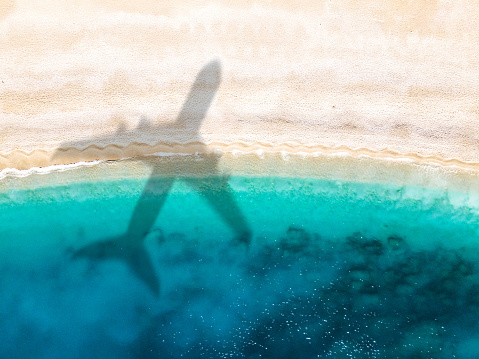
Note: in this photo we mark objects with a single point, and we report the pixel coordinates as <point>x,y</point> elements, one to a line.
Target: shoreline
<point>256,161</point>
<point>22,160</point>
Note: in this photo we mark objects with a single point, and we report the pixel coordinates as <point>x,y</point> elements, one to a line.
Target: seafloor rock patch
<point>299,297</point>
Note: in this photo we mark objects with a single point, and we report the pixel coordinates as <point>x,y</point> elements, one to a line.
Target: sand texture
<point>113,79</point>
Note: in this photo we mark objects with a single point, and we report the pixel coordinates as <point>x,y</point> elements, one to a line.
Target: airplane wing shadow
<point>219,195</point>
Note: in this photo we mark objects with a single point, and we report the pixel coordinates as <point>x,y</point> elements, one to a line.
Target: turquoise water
<point>331,269</point>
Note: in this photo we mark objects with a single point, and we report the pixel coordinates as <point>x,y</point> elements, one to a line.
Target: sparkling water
<point>241,267</point>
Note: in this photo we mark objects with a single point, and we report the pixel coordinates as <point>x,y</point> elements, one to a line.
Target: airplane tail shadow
<point>135,256</point>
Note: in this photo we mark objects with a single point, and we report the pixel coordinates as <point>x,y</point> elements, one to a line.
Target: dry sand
<point>387,79</point>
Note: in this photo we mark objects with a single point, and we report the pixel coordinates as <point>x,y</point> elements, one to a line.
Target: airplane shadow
<point>129,247</point>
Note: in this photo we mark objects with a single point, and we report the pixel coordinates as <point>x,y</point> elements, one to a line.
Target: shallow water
<point>333,269</point>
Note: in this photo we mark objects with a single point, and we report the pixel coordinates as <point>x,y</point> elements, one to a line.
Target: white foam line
<point>286,155</point>
<point>13,172</point>
<point>388,159</point>
<point>170,154</point>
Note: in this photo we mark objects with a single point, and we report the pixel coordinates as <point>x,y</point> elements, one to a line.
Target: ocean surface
<point>236,267</point>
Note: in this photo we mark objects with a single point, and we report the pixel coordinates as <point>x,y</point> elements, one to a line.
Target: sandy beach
<point>106,80</point>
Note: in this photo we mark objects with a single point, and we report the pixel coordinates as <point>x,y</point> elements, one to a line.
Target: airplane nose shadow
<point>129,248</point>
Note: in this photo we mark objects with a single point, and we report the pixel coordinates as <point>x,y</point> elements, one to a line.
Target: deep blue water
<point>326,269</point>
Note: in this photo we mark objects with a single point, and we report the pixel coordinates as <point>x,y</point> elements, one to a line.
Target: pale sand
<point>387,79</point>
